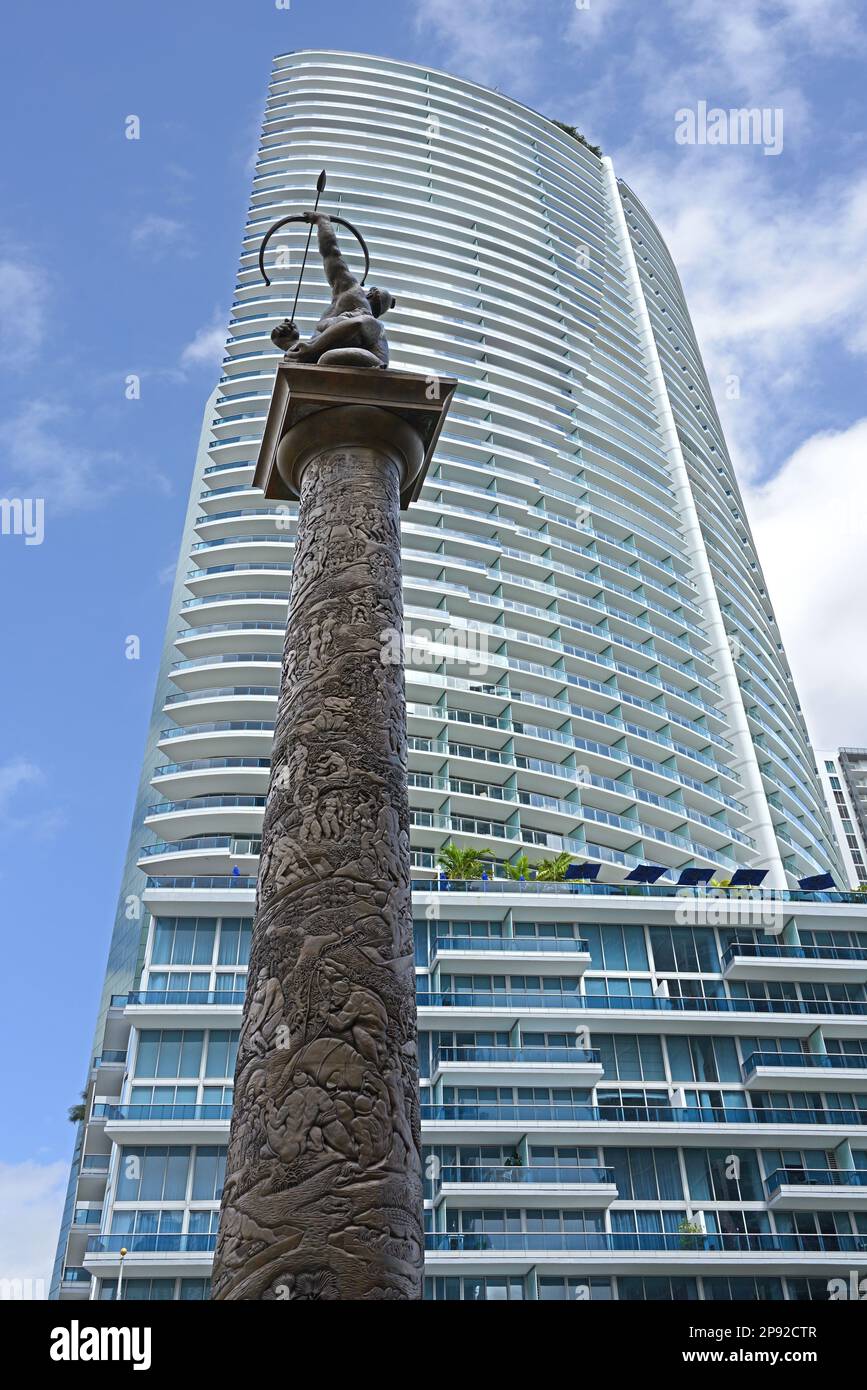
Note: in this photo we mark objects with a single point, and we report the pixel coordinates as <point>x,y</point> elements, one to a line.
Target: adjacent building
<point>843,775</point>
<point>630,1090</point>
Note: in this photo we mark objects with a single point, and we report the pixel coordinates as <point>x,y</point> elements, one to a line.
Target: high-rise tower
<point>593,669</point>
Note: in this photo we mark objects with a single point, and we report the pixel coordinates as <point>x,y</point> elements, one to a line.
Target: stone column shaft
<point>323,1192</point>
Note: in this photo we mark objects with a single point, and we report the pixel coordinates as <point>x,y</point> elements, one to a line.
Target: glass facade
<point>624,1095</point>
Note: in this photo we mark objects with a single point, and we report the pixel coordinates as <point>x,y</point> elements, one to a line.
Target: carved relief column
<point>323,1191</point>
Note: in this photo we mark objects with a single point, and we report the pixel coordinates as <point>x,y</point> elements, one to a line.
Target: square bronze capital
<point>303,391</point>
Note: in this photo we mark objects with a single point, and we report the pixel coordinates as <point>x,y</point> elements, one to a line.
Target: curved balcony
<point>222,494</point>
<point>232,703</point>
<point>240,635</point>
<point>205,854</point>
<point>241,446</point>
<point>245,605</point>
<point>209,776</point>
<point>203,673</point>
<point>266,522</point>
<point>261,551</point>
<point>216,578</point>
<point>180,820</point>
<point>221,738</point>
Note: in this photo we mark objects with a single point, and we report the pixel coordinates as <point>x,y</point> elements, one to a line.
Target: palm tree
<point>554,870</point>
<point>462,863</point>
<point>520,868</point>
<point>78,1112</point>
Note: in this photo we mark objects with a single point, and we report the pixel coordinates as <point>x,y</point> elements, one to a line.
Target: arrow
<point>320,189</point>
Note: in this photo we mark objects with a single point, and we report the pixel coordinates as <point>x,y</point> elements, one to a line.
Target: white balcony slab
<point>821,971</point>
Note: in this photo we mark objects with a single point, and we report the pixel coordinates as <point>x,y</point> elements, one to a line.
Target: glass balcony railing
<point>827,1060</point>
<point>231,843</point>
<point>109,1059</point>
<point>146,1244</point>
<point>180,998</point>
<point>572,1056</point>
<point>723,1243</point>
<point>483,1173</point>
<point>643,890</point>
<point>530,1112</point>
<point>775,950</point>
<point>205,803</point>
<point>162,1112</point>
<point>511,1001</point>
<point>87,1217</point>
<point>197,881</point>
<point>815,1177</point>
<point>74,1274</point>
<point>215,692</point>
<point>519,945</point>
<point>206,764</point>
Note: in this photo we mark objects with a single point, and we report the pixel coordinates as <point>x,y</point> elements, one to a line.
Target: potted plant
<point>691,1235</point>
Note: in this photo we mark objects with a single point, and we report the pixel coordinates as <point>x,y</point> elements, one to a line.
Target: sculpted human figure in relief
<point>349,334</point>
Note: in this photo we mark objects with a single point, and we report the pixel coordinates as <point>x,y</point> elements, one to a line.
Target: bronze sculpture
<point>349,333</point>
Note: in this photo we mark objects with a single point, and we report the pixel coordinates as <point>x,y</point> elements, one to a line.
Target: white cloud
<point>41,462</point>
<point>13,775</point>
<point>156,235</point>
<point>208,347</point>
<point>773,277</point>
<point>31,1204</point>
<point>23,296</point>
<point>494,42</point>
<point>808,521</point>
<point>590,18</point>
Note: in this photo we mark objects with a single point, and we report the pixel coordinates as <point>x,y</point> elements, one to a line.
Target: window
<point>657,1289</point>
<point>719,1175</point>
<point>183,940</point>
<point>150,1290</point>
<point>169,1052</point>
<point>703,1059</point>
<point>209,1170</point>
<point>615,947</point>
<point>157,1173</point>
<point>222,1051</point>
<point>645,1174</point>
<point>684,949</point>
<point>234,948</point>
<point>631,1057</point>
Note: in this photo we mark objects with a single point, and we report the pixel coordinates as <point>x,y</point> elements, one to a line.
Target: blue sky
<point>118,257</point>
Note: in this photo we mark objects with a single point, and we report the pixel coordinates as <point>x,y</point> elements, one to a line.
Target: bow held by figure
<point>349,333</point>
